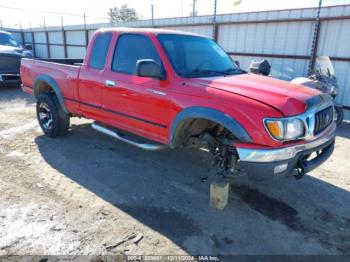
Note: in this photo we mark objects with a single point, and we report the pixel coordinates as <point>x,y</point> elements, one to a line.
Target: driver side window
<point>131,48</point>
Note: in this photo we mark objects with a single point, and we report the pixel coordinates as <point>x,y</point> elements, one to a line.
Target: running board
<point>115,134</point>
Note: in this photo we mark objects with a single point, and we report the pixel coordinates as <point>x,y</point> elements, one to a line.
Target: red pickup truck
<point>156,88</point>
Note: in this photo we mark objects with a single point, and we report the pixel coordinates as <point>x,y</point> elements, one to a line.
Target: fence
<point>284,37</point>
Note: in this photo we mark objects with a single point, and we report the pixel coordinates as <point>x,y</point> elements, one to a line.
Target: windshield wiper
<point>232,71</point>
<point>229,71</point>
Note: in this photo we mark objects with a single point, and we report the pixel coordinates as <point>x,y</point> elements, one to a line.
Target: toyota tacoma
<point>156,88</point>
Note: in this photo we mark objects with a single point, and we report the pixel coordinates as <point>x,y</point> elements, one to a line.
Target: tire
<point>52,119</point>
<point>339,115</point>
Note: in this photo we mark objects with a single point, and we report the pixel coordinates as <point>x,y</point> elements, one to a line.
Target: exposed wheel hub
<point>45,116</point>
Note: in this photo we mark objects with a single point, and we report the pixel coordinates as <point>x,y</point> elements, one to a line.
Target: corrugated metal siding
<point>39,37</point>
<point>335,38</point>
<point>91,33</point>
<point>201,30</point>
<point>28,37</point>
<point>57,51</point>
<point>56,37</point>
<point>334,41</point>
<point>254,32</point>
<point>75,37</point>
<point>76,52</point>
<point>41,51</point>
<point>285,69</point>
<point>269,38</point>
<point>342,70</point>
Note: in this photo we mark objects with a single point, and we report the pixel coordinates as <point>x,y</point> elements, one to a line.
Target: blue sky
<point>96,11</point>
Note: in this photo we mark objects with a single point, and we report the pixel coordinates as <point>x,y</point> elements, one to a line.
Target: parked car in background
<point>156,88</point>
<point>11,53</point>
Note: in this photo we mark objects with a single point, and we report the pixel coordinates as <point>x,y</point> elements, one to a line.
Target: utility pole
<point>215,26</point>
<point>215,8</point>
<point>65,52</point>
<point>84,15</point>
<point>315,40</point>
<point>152,14</point>
<point>22,33</point>
<point>47,40</point>
<point>32,38</point>
<point>86,32</point>
<point>194,8</point>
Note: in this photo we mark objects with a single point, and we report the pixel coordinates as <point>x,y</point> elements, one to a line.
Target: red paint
<point>247,98</point>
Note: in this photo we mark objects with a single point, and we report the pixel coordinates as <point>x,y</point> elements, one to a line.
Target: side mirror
<point>28,47</point>
<point>149,68</point>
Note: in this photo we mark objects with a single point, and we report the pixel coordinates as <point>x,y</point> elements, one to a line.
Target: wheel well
<point>43,87</point>
<point>195,127</point>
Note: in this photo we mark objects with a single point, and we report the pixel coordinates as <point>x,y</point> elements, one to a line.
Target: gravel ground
<point>88,194</point>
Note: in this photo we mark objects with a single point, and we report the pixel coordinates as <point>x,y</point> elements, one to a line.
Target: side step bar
<point>119,136</point>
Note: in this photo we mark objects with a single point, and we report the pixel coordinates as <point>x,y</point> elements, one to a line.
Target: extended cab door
<point>137,104</point>
<point>90,77</point>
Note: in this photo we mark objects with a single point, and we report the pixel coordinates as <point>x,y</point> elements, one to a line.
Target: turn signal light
<point>275,128</point>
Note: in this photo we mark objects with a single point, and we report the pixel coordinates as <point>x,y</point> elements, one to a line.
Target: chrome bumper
<point>286,153</point>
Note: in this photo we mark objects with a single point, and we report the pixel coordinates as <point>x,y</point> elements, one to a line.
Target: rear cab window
<point>99,51</point>
<point>129,49</point>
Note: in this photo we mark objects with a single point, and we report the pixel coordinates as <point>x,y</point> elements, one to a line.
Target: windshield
<point>8,40</point>
<point>324,66</point>
<point>195,56</point>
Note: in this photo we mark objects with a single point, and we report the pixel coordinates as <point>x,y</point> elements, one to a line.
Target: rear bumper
<point>284,161</point>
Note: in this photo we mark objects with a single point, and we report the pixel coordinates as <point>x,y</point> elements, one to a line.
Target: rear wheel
<point>52,119</point>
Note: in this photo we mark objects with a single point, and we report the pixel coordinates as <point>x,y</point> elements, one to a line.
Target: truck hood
<point>17,51</point>
<point>290,99</point>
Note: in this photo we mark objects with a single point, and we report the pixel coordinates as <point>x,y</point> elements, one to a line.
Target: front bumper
<point>7,79</point>
<point>283,161</point>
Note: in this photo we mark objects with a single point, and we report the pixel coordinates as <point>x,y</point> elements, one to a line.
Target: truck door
<point>137,104</point>
<point>90,77</point>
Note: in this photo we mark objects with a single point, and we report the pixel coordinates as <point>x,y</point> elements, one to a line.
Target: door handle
<point>109,83</point>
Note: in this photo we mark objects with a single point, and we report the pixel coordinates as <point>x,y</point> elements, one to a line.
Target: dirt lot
<point>88,194</point>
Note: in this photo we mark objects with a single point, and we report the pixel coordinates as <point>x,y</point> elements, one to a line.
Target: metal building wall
<point>334,41</point>
<point>284,37</point>
<point>205,30</point>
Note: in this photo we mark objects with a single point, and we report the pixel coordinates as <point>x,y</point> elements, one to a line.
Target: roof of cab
<point>154,31</point>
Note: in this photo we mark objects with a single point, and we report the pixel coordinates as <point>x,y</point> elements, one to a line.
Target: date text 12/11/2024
<point>173,258</point>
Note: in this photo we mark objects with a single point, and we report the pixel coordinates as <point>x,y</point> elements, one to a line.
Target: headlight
<point>285,129</point>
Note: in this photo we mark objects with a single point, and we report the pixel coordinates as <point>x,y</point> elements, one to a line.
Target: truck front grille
<point>10,63</point>
<point>323,119</point>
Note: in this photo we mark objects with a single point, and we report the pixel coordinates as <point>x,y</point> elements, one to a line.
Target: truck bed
<point>65,73</point>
